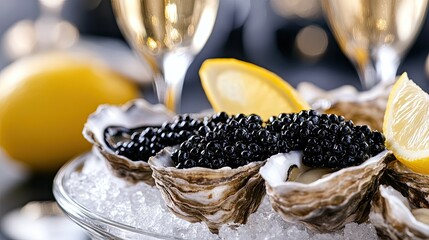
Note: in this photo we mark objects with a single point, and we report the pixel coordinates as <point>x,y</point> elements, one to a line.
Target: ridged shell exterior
<point>134,114</point>
<point>326,204</point>
<point>215,197</point>
<point>414,186</point>
<point>391,216</point>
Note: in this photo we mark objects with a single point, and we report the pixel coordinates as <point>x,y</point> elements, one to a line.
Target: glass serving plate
<point>97,226</point>
<point>263,224</point>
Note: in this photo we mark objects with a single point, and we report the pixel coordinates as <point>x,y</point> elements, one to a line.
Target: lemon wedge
<point>235,86</point>
<point>406,125</point>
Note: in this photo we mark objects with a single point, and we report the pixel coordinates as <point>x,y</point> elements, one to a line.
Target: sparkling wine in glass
<point>167,34</point>
<point>375,34</point>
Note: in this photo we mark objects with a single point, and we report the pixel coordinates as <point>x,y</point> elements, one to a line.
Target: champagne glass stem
<point>381,68</point>
<point>387,64</point>
<point>51,8</point>
<point>50,16</point>
<point>367,74</point>
<point>169,78</point>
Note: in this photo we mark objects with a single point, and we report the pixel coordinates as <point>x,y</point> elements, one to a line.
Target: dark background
<point>263,37</point>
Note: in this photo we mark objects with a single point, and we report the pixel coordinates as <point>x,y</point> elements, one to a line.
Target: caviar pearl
<point>327,140</point>
<point>237,142</point>
<point>146,142</point>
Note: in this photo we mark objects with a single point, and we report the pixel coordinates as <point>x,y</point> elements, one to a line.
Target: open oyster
<point>414,186</point>
<point>364,108</point>
<point>327,203</point>
<point>134,114</point>
<point>213,196</point>
<point>395,218</point>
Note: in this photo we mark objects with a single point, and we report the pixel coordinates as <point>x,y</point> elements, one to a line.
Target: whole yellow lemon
<point>45,101</point>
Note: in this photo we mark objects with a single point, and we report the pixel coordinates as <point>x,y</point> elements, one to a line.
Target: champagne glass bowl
<point>167,34</point>
<point>375,34</point>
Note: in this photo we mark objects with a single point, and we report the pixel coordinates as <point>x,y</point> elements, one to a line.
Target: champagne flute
<point>375,34</point>
<point>167,34</point>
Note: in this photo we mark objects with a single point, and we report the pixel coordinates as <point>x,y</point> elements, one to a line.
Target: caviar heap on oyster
<point>327,140</point>
<point>236,142</point>
<point>141,143</point>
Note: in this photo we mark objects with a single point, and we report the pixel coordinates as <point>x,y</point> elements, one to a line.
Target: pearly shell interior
<point>134,114</point>
<point>328,203</point>
<point>393,216</point>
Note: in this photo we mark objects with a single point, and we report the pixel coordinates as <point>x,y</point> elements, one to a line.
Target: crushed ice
<point>142,206</point>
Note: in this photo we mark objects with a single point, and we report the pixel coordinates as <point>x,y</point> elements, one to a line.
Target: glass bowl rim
<point>80,214</point>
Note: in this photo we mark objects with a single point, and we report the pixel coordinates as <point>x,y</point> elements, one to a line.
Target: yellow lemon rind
<point>417,160</point>
<point>290,93</point>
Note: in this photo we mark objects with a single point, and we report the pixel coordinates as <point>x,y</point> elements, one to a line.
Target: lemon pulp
<point>405,124</point>
<point>235,86</point>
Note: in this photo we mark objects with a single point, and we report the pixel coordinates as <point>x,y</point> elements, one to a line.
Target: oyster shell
<point>364,108</point>
<point>215,197</point>
<point>134,114</point>
<point>414,186</point>
<point>328,203</point>
<point>394,218</point>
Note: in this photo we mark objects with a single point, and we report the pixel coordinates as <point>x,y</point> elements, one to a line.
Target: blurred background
<point>288,37</point>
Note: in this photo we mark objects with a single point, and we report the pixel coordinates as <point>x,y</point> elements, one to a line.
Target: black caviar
<point>237,142</point>
<point>327,140</point>
<point>147,141</point>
